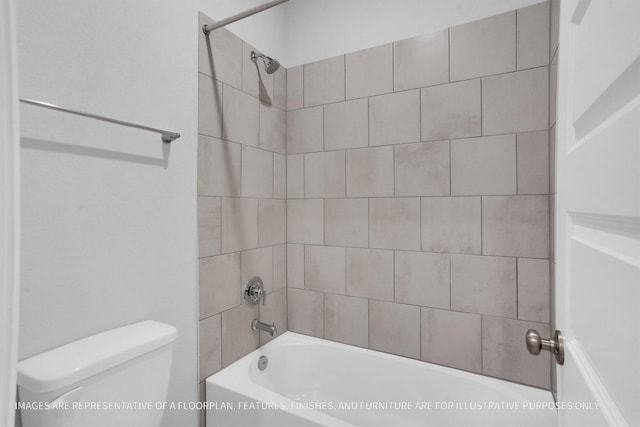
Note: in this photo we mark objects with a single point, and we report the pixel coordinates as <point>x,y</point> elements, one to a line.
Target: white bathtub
<point>314,382</point>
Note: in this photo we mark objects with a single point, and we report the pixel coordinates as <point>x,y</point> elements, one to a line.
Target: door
<point>598,211</point>
<point>9,213</point>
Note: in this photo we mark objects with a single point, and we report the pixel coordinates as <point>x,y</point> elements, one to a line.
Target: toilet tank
<point>115,378</point>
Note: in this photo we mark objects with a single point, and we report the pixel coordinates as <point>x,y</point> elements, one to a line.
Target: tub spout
<point>257,325</point>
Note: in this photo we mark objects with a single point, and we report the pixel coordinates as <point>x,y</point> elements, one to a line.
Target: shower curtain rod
<point>206,29</point>
<point>165,135</point>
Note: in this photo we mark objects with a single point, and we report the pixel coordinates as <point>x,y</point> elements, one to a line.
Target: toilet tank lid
<point>92,355</point>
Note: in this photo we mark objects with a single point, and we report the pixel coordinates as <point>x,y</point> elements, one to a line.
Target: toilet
<point>115,378</point>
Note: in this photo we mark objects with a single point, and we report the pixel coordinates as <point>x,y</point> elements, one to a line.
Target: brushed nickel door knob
<point>535,344</point>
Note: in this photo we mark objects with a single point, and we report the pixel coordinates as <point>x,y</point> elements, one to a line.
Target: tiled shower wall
<point>418,196</point>
<point>241,198</point>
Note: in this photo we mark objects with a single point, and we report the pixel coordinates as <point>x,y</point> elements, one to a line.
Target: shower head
<point>270,64</point>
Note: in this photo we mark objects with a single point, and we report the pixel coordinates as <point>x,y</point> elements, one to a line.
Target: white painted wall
<point>9,212</point>
<point>109,213</point>
<point>319,29</point>
<point>109,231</point>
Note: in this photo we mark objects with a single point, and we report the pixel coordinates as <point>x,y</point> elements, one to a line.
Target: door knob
<point>555,345</point>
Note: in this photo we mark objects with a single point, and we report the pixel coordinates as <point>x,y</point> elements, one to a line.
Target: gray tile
<point>516,102</point>
<point>483,285</point>
<point>533,162</point>
<point>324,174</point>
<point>346,222</point>
<point>279,267</point>
<point>305,312</point>
<point>241,117</point>
<point>219,284</point>
<point>280,88</point>
<point>452,339</point>
<point>219,166</point>
<point>295,176</point>
<point>272,129</point>
<point>451,111</point>
<point>533,290</point>
<point>370,172</point>
<point>274,311</point>
<point>257,172</point>
<point>324,269</point>
<point>422,169</point>
<point>346,124</point>
<point>304,130</point>
<point>394,328</point>
<point>294,88</point>
<point>370,273</point>
<point>209,106</point>
<point>324,81</point>
<point>369,72</point>
<point>295,266</point>
<point>504,354</point>
<point>239,224</point>
<point>483,47</point>
<point>452,224</point>
<point>237,337</point>
<point>208,226</point>
<point>305,221</point>
<point>481,166</point>
<point>526,217</point>
<point>346,319</point>
<point>533,36</point>
<point>210,344</point>
<point>255,80</point>
<point>422,279</point>
<point>421,61</point>
<point>395,223</point>
<point>257,262</point>
<point>279,176</point>
<point>272,222</point>
<point>220,54</point>
<point>394,118</point>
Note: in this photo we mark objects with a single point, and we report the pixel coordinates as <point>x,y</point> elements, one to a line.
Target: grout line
<point>394,275</point>
<point>517,291</point>
<point>481,228</point>
<point>323,127</point>
<point>516,160</point>
<point>481,346</point>
<point>516,42</point>
<point>481,108</point>
<point>450,282</point>
<point>368,121</point>
<point>221,227</point>
<point>368,323</point>
<point>450,171</point>
<point>393,67</point>
<point>344,66</point>
<point>449,52</point>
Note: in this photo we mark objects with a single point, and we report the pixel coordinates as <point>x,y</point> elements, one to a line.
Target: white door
<point>598,210</point>
<point>9,212</point>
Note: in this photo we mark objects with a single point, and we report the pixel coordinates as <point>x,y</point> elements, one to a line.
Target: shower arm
<point>206,29</point>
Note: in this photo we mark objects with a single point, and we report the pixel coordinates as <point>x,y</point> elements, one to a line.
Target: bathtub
<point>314,382</point>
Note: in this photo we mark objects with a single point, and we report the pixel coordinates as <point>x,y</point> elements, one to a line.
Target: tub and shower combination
<point>297,380</point>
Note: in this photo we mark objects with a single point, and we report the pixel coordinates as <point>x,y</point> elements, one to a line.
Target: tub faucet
<point>257,325</point>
